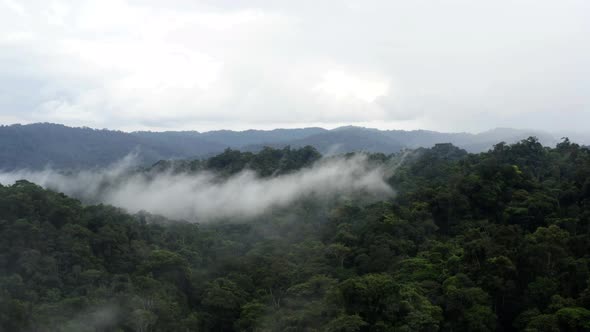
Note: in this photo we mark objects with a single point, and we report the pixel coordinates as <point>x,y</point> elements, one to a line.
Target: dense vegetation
<point>266,162</point>
<point>38,145</point>
<point>497,241</point>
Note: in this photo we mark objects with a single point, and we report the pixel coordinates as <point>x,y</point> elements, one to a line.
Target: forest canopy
<point>495,241</point>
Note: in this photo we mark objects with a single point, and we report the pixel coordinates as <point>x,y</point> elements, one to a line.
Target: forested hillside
<point>40,145</point>
<point>496,241</point>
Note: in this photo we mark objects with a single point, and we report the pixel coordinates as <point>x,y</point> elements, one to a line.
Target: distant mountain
<point>238,139</point>
<point>471,142</point>
<point>483,141</point>
<point>38,145</point>
<point>582,138</point>
<point>350,138</point>
<point>341,140</point>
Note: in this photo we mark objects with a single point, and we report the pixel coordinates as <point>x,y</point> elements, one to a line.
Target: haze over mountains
<point>40,145</point>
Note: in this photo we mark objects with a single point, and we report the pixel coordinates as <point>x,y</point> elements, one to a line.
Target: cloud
<point>236,64</point>
<point>343,85</point>
<point>205,196</point>
<point>15,7</point>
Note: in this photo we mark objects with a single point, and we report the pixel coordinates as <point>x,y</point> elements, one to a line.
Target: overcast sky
<point>456,65</point>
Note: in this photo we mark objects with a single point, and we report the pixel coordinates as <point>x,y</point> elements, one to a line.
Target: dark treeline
<point>497,241</point>
<point>266,162</point>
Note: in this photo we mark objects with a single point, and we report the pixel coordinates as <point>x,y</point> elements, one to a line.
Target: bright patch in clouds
<point>343,85</point>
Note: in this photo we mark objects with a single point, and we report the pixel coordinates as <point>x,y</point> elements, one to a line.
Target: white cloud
<point>15,7</point>
<point>212,64</point>
<point>343,85</point>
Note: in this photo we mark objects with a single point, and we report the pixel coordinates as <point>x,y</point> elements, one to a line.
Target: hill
<point>38,145</point>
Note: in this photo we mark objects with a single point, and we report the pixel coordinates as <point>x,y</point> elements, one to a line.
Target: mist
<point>206,196</point>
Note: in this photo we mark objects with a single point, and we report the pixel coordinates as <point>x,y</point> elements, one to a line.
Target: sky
<point>447,65</point>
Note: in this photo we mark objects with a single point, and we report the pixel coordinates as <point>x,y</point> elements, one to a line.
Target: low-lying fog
<point>205,196</point>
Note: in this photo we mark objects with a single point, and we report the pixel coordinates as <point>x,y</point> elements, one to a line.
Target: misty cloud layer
<point>205,196</point>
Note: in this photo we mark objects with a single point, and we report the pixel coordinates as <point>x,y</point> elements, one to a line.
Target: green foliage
<point>493,241</point>
<point>574,318</point>
<point>345,323</point>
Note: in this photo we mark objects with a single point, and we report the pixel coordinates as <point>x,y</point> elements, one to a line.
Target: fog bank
<point>206,196</point>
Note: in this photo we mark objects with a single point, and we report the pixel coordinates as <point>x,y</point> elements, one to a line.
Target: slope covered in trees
<point>36,146</point>
<point>39,145</point>
<point>497,241</point>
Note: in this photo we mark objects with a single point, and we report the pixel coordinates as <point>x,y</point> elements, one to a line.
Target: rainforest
<point>430,239</point>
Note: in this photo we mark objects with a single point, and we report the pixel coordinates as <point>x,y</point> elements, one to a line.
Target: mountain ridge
<point>38,145</point>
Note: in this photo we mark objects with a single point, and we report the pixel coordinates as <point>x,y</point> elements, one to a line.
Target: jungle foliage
<point>496,241</point>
